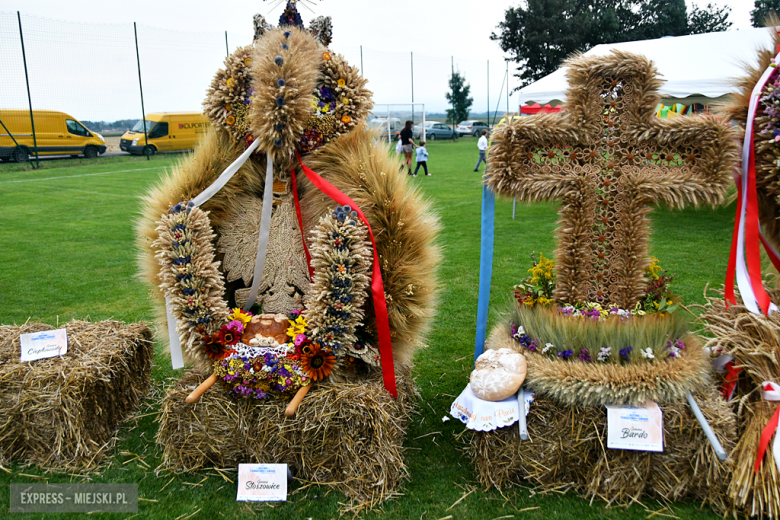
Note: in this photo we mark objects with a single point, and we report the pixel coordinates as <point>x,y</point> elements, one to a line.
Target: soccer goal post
<point>391,116</point>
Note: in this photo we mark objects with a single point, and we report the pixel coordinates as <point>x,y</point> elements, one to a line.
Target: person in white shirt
<point>482,144</point>
<point>422,159</point>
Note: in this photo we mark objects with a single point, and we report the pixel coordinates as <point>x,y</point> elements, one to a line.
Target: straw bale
<point>347,436</point>
<point>567,451</point>
<point>754,341</point>
<point>63,413</point>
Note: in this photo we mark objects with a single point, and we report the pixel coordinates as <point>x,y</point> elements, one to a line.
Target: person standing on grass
<point>422,159</point>
<point>407,145</point>
<point>483,146</point>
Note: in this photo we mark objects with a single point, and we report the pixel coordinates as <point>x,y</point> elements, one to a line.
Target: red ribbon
<point>730,381</point>
<point>377,286</point>
<point>766,436</point>
<point>731,270</point>
<point>300,222</point>
<point>752,239</point>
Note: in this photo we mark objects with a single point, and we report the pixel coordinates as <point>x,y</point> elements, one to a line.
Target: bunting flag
<point>377,286</point>
<point>771,392</point>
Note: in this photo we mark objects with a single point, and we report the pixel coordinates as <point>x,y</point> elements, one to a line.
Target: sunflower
<point>317,363</point>
<point>240,315</point>
<point>213,348</point>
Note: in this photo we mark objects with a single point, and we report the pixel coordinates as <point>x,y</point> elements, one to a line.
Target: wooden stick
<point>205,385</point>
<point>296,401</point>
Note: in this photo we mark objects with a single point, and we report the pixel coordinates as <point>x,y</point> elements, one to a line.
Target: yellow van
<point>167,132</point>
<point>56,133</point>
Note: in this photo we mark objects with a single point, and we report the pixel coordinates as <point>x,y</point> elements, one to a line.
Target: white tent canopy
<point>699,68</point>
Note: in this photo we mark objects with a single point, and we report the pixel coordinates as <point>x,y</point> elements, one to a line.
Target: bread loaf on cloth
<point>498,374</point>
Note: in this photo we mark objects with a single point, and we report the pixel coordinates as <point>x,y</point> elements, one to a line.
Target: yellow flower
<point>230,120</point>
<point>231,82</point>
<point>341,82</point>
<point>326,56</point>
<point>297,327</point>
<point>247,61</point>
<point>654,268</point>
<point>346,119</point>
<point>345,101</point>
<point>240,315</point>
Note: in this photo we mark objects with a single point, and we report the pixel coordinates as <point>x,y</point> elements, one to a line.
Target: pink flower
<point>237,326</point>
<point>300,339</point>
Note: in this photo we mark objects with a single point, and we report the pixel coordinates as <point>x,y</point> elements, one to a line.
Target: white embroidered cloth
<point>478,414</point>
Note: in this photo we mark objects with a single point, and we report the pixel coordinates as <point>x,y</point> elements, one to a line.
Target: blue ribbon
<point>485,268</point>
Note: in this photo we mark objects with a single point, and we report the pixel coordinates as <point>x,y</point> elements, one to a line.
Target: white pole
<point>423,123</point>
<point>388,124</point>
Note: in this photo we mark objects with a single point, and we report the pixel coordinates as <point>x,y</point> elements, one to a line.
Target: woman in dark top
<point>407,145</point>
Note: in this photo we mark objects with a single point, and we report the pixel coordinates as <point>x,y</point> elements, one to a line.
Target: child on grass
<point>422,158</point>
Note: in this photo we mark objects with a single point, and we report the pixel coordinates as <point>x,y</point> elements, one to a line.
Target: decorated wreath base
<point>345,435</point>
<point>566,451</point>
<point>62,413</point>
<point>591,381</point>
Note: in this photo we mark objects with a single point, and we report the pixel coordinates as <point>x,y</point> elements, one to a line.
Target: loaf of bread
<point>498,374</point>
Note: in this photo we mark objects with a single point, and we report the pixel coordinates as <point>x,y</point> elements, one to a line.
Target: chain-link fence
<point>83,86</point>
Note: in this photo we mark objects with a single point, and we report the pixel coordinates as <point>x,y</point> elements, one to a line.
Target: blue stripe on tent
<point>485,268</point>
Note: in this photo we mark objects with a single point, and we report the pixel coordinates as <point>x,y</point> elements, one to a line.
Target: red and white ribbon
<point>747,231</point>
<point>771,392</point>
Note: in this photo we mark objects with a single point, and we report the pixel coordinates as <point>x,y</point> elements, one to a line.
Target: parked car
<point>434,130</point>
<point>472,128</point>
<point>394,127</point>
<point>166,131</point>
<point>56,133</point>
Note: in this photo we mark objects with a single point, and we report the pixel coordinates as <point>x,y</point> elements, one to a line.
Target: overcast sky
<point>182,45</point>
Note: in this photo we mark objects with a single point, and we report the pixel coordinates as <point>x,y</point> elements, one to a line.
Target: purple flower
<point>585,356</point>
<point>624,352</point>
<point>566,354</point>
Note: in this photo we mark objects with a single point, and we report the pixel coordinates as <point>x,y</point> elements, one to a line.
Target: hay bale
<point>63,413</point>
<point>567,450</point>
<point>754,341</point>
<point>347,436</point>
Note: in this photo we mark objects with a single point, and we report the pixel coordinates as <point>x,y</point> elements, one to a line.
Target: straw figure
<point>599,325</point>
<point>749,341</point>
<point>292,255</point>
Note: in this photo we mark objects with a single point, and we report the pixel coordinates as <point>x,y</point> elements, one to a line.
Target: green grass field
<point>66,251</point>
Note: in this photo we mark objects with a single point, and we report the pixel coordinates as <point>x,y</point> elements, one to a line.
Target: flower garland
<point>341,258</point>
<point>189,277</point>
<point>230,94</point>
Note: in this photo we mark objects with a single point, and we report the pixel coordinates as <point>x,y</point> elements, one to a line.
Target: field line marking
<point>79,175</point>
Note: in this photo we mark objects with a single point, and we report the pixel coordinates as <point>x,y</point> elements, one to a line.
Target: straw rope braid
<point>341,258</point>
<point>189,276</point>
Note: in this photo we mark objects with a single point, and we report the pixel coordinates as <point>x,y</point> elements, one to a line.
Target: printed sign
<point>45,344</point>
<point>635,428</point>
<point>262,482</point>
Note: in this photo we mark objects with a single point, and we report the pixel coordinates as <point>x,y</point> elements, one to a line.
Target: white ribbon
<point>743,277</point>
<point>226,175</point>
<point>177,357</point>
<point>265,230</point>
<point>771,392</point>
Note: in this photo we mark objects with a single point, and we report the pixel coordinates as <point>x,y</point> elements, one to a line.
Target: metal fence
<point>107,76</point>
